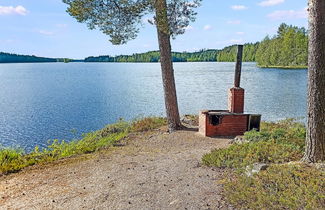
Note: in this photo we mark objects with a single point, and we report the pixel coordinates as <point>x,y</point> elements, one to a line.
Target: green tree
<point>282,29</point>
<point>315,139</point>
<point>229,54</point>
<point>287,48</point>
<point>120,20</point>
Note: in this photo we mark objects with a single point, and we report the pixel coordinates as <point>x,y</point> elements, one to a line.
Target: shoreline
<point>282,67</point>
<point>80,61</point>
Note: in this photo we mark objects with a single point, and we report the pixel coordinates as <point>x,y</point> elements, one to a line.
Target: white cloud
<point>239,7</point>
<point>10,10</point>
<point>207,27</point>
<point>268,3</point>
<point>46,33</point>
<point>240,33</point>
<point>288,14</point>
<point>234,22</point>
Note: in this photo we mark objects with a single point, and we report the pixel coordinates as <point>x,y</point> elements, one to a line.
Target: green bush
<point>11,160</point>
<point>241,155</point>
<point>148,123</point>
<point>279,187</point>
<point>118,127</point>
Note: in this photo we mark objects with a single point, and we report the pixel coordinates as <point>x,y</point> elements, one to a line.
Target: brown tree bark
<point>315,140</point>
<point>167,70</point>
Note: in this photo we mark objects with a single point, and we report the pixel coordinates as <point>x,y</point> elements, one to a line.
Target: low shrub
<point>287,131</point>
<point>118,127</point>
<point>279,187</point>
<point>276,143</point>
<point>13,160</point>
<point>241,155</point>
<point>148,123</point>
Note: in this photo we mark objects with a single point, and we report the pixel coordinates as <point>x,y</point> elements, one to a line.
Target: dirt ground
<point>154,170</point>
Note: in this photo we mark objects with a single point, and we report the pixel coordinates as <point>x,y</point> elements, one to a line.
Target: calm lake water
<point>39,102</point>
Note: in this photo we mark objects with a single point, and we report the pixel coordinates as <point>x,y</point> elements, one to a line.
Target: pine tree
<point>120,20</point>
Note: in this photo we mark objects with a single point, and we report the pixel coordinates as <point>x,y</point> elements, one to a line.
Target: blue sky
<point>43,28</point>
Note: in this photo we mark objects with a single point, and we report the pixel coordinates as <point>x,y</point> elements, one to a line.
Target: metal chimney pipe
<point>238,65</point>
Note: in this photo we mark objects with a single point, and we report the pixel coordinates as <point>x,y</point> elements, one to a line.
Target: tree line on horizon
<point>154,56</point>
<point>228,54</point>
<point>16,58</point>
<point>288,48</point>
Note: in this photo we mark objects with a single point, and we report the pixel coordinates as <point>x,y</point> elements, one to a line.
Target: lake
<point>46,101</point>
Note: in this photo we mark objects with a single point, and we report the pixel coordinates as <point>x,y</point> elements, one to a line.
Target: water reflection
<point>46,101</point>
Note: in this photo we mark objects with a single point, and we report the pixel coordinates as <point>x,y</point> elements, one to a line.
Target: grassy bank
<point>282,185</point>
<point>13,160</point>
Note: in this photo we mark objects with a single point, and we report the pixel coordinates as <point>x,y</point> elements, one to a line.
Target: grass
<point>281,185</point>
<point>13,160</point>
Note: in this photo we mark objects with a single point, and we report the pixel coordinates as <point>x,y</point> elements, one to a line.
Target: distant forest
<point>288,48</point>
<point>228,54</point>
<point>153,56</point>
<point>15,58</point>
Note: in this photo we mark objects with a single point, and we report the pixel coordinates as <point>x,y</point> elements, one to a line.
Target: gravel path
<point>151,171</point>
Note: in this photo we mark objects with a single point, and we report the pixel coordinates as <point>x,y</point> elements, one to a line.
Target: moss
<point>279,187</point>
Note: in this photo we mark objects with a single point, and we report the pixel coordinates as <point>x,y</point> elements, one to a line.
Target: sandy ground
<point>154,170</point>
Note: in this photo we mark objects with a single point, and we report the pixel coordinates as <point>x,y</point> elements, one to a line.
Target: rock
<point>239,140</point>
<point>255,168</point>
<point>191,120</point>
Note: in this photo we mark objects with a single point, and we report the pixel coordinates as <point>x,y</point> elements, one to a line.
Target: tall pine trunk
<point>167,66</point>
<point>315,140</point>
